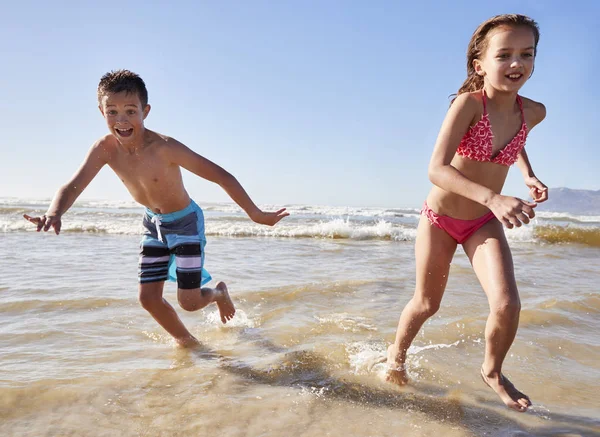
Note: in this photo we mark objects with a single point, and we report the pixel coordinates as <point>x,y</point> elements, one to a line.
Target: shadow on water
<point>305,369</point>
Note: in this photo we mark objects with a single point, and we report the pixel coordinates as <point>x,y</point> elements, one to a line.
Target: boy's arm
<point>66,195</point>
<point>200,166</point>
<point>509,210</point>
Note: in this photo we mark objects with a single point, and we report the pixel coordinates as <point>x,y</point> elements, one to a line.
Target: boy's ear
<point>146,111</point>
<point>101,110</point>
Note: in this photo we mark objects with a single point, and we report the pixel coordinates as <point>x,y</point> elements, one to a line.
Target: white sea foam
<point>368,357</point>
<point>331,229</point>
<point>568,217</point>
<point>524,234</point>
<point>241,320</point>
<point>348,322</point>
<point>228,220</point>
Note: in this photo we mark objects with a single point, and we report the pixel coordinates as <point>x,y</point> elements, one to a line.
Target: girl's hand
<point>269,218</point>
<point>45,222</point>
<point>537,190</point>
<point>512,211</point>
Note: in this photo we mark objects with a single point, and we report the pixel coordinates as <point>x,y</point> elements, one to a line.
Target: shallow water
<point>302,355</point>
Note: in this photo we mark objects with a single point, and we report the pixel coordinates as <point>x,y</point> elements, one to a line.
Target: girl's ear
<point>478,67</point>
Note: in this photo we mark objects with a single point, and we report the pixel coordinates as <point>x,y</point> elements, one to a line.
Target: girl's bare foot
<point>187,342</point>
<point>226,308</point>
<point>508,393</point>
<point>396,371</point>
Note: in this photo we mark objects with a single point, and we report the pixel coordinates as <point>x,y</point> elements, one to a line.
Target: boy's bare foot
<point>508,393</point>
<point>226,308</point>
<point>396,371</point>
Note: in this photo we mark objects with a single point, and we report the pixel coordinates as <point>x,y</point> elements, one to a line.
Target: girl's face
<point>508,60</point>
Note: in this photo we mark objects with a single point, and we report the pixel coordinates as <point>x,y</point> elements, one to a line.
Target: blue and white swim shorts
<point>172,248</point>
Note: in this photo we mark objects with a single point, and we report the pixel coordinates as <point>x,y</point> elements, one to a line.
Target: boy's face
<point>124,116</point>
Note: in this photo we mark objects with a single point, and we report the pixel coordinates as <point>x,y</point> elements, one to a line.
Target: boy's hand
<point>537,190</point>
<point>45,222</point>
<point>269,218</point>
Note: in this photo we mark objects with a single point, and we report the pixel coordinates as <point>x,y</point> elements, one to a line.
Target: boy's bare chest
<point>140,169</point>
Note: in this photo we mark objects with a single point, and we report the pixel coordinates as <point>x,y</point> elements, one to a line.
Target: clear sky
<point>315,102</point>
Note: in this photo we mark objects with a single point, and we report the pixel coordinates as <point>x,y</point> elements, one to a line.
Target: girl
<point>483,134</point>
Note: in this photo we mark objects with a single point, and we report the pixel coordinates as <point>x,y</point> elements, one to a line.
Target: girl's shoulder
<point>471,99</point>
<point>470,106</point>
<point>534,111</point>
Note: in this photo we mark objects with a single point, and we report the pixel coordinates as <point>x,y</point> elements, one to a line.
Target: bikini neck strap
<point>484,100</point>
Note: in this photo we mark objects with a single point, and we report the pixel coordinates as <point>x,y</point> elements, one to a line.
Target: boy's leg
<point>491,258</point>
<point>434,250</point>
<point>197,298</point>
<point>189,261</point>
<point>151,298</point>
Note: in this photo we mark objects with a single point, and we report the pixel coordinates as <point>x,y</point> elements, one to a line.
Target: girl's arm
<point>537,190</point>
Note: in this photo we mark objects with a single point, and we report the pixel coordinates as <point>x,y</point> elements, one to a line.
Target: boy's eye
<point>528,55</point>
<point>112,112</point>
<point>131,112</point>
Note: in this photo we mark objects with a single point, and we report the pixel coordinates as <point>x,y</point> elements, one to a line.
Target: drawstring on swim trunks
<point>156,220</point>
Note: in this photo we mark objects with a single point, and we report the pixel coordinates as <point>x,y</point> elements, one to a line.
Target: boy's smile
<point>124,116</point>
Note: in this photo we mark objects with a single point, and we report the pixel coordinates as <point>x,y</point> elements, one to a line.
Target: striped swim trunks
<point>172,248</point>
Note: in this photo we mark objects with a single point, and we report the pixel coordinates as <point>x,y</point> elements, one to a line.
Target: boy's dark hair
<point>117,81</point>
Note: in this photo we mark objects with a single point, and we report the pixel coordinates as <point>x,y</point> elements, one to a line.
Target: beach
<point>318,299</point>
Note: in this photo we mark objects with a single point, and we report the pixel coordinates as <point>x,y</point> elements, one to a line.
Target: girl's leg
<point>491,258</point>
<point>150,296</point>
<point>434,250</point>
<point>197,298</point>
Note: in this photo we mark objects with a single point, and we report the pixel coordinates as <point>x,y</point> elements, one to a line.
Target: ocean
<point>318,299</point>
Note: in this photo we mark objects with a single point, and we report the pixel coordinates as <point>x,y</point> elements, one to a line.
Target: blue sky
<point>318,102</point>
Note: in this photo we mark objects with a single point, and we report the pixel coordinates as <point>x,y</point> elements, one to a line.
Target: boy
<point>149,164</point>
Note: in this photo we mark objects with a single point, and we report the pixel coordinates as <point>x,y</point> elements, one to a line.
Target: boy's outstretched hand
<point>45,222</point>
<point>269,218</point>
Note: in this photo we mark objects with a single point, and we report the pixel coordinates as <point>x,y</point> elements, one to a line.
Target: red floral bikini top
<point>477,142</point>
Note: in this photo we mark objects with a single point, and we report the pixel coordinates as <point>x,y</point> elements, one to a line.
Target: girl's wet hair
<point>479,43</point>
<point>117,81</point>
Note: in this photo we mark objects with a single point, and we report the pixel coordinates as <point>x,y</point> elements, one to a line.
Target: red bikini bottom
<point>458,229</point>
